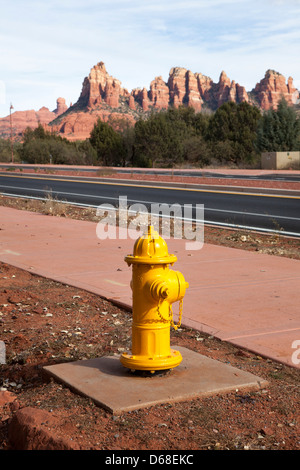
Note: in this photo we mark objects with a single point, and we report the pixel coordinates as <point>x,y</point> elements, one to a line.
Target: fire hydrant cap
<point>150,248</point>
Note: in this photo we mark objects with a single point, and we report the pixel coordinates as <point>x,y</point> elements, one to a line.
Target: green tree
<point>88,155</point>
<point>279,130</point>
<point>153,141</point>
<point>235,125</point>
<point>107,143</point>
<point>126,130</point>
<point>163,138</point>
<point>6,151</point>
<point>40,146</point>
<point>197,151</point>
<point>36,151</point>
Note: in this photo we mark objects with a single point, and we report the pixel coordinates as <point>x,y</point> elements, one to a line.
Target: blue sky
<point>47,48</point>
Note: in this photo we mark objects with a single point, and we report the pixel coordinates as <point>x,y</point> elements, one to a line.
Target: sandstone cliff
<point>100,87</point>
<point>102,96</point>
<point>269,91</point>
<point>191,89</point>
<point>23,119</point>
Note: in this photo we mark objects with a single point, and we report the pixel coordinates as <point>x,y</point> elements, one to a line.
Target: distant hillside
<point>22,119</point>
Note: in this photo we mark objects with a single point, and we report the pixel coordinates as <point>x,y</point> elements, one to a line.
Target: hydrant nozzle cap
<point>150,248</point>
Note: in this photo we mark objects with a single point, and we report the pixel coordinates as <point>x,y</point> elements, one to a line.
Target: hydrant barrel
<point>155,288</point>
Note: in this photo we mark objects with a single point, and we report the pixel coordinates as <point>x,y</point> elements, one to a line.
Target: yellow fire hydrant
<point>155,288</point>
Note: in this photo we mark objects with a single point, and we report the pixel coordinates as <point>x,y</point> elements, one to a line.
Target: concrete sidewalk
<point>248,299</point>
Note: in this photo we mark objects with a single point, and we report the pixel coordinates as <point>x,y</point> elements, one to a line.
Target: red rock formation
<point>222,92</point>
<point>193,95</point>
<point>102,96</point>
<point>227,90</point>
<point>131,102</point>
<point>205,85</point>
<point>23,119</point>
<point>177,86</point>
<point>272,88</point>
<point>196,89</point>
<point>61,106</point>
<point>79,125</point>
<point>241,93</point>
<point>159,93</point>
<point>141,97</point>
<point>145,100</point>
<point>100,87</point>
<point>93,86</point>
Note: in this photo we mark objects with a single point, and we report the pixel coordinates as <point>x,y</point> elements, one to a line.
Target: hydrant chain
<point>180,315</point>
<point>165,320</point>
<point>170,319</point>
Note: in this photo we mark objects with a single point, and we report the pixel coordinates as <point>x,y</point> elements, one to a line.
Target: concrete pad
<point>115,388</point>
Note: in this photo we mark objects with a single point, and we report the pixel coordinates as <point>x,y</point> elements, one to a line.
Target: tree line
<point>235,134</point>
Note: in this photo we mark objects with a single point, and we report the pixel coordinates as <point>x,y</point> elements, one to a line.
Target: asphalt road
<point>226,208</point>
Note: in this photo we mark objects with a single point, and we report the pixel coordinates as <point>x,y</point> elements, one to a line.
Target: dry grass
<point>53,206</point>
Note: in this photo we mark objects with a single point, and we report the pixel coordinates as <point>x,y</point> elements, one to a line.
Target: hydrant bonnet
<point>150,248</point>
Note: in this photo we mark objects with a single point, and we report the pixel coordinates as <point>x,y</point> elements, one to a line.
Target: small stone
<point>6,397</point>
<point>266,431</point>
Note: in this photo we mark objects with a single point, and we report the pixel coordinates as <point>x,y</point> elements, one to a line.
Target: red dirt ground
<point>43,322</point>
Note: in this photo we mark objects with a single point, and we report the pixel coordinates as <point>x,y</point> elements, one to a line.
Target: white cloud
<point>47,48</point>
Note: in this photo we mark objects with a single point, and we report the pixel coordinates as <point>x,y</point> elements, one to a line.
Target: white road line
<point>151,202</point>
<point>253,213</point>
<point>208,222</point>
